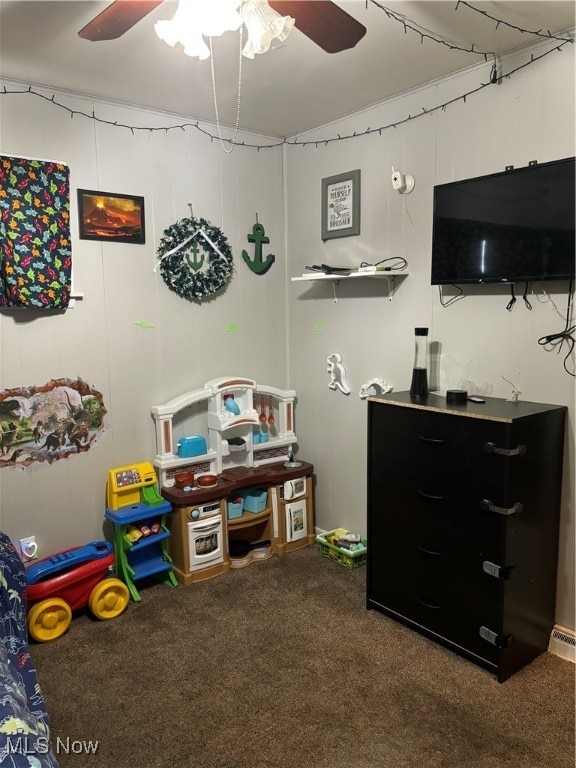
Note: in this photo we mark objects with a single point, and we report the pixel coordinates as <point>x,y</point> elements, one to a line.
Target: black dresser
<point>463,514</point>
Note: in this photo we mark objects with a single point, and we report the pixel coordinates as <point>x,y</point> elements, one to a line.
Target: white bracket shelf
<point>335,279</point>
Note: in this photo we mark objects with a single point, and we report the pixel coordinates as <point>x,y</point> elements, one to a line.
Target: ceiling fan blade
<point>117,18</point>
<point>325,23</point>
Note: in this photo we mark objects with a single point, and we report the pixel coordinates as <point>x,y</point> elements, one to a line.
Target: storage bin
<point>234,508</point>
<point>348,558</point>
<point>254,500</point>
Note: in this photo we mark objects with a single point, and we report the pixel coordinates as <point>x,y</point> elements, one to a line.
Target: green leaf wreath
<point>181,273</point>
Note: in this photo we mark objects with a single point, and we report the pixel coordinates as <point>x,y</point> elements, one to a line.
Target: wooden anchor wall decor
<point>258,265</point>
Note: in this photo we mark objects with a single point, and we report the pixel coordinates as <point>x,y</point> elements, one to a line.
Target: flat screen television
<point>506,227</point>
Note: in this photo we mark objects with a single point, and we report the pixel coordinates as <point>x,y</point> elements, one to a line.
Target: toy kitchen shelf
<point>248,425</point>
<point>335,278</point>
<point>253,527</point>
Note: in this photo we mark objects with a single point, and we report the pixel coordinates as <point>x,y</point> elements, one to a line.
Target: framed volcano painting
<point>111,217</point>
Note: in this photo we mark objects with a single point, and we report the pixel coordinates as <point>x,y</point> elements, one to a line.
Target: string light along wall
<point>409,27</point>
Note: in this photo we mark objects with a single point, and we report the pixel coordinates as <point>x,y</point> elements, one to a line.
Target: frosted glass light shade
<point>263,25</point>
<point>197,18</point>
<point>217,16</point>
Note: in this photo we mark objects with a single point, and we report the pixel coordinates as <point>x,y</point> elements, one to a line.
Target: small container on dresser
<point>463,515</point>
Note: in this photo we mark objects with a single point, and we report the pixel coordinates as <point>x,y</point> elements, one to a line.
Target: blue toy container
<point>234,507</point>
<point>254,500</point>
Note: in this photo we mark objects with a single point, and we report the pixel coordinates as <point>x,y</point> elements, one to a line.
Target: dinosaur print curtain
<point>35,255</point>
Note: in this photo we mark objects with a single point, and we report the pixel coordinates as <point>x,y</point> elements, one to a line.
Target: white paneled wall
<point>528,117</point>
<point>188,343</point>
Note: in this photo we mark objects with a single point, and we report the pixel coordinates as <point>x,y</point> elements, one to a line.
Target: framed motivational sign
<point>341,205</point>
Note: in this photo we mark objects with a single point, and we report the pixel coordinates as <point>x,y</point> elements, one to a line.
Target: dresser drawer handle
<point>426,604</point>
<point>498,571</point>
<point>500,641</point>
<point>488,506</point>
<point>431,440</point>
<point>429,496</point>
<point>431,552</point>
<point>520,450</point>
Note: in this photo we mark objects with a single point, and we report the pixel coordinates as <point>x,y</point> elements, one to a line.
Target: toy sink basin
<point>191,446</point>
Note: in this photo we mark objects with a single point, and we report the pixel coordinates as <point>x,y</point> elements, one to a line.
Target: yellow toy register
<point>133,484</point>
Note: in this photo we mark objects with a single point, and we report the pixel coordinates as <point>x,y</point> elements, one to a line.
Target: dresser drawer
<point>439,452</point>
<point>439,561</point>
<point>465,514</point>
<point>454,614</point>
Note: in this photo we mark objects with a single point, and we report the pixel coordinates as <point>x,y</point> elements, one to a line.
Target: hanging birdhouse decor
<point>195,259</point>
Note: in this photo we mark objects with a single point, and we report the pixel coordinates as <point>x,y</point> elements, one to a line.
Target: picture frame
<point>341,205</point>
<point>111,217</point>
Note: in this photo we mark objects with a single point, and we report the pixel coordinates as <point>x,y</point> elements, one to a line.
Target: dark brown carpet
<point>280,665</point>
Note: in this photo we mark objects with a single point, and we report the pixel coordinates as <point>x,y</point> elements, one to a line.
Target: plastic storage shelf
<point>148,556</point>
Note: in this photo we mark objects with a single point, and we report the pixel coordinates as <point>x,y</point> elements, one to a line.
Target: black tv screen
<point>513,226</point>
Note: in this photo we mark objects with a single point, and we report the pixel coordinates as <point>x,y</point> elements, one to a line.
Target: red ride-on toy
<point>68,581</point>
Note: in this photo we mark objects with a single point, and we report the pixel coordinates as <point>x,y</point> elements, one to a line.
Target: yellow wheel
<point>49,619</point>
<point>109,599</point>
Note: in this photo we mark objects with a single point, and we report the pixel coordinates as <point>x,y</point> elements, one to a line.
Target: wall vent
<point>563,643</point>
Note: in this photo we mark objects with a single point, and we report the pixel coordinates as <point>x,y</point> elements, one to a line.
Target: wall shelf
<point>311,276</point>
<point>335,279</point>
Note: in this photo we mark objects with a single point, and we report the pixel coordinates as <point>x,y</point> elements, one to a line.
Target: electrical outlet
<point>29,548</point>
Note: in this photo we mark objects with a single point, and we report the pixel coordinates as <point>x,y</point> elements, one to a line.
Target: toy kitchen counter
<point>247,516</point>
<point>236,479</point>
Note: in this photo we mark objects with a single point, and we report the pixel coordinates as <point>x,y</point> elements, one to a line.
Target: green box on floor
<point>348,558</point>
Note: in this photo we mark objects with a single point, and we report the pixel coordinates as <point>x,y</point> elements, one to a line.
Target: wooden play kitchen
<point>238,496</point>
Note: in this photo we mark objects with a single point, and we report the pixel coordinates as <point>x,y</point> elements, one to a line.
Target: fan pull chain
<point>233,140</point>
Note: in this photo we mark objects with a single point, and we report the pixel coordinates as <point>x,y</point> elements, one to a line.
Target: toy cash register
<point>133,501</point>
<point>133,484</point>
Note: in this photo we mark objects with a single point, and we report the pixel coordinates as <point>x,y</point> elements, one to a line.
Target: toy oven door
<point>205,542</point>
<point>296,520</point>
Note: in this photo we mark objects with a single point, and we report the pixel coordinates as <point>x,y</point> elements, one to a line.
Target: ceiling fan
<point>325,23</point>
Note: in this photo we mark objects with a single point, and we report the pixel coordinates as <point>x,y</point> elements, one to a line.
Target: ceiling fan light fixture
<point>195,19</point>
<point>193,43</point>
<point>216,16</point>
<point>263,25</point>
